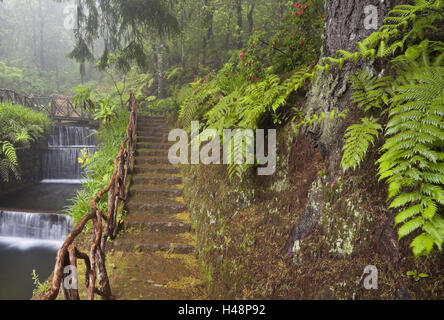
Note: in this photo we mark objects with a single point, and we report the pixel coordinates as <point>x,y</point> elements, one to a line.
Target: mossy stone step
<point>140,169</point>
<point>164,227</point>
<point>152,160</point>
<point>147,180</point>
<point>151,247</point>
<point>150,133</point>
<point>154,139</point>
<point>151,152</point>
<point>166,207</point>
<point>151,126</point>
<point>150,192</point>
<point>151,118</point>
<point>148,142</point>
<point>144,143</point>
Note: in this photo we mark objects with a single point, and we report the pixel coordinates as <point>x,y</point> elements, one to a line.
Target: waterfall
<point>60,159</point>
<point>41,226</point>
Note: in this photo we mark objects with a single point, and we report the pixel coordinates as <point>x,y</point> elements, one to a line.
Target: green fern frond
<point>358,139</point>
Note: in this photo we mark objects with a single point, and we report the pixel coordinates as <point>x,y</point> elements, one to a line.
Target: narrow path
<point>154,257</point>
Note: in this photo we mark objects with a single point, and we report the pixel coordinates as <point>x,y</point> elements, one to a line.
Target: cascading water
<point>29,241</point>
<point>54,227</point>
<point>60,160</point>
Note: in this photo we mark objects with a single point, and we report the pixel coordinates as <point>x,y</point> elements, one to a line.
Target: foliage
<point>118,22</point>
<point>358,139</point>
<point>33,46</point>
<point>41,288</point>
<point>296,42</point>
<point>82,97</point>
<point>413,159</point>
<point>99,166</point>
<point>19,126</point>
<point>415,276</point>
<point>412,162</point>
<point>104,111</point>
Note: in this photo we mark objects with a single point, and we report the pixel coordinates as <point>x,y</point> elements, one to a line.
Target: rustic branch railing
<point>95,262</point>
<point>56,106</point>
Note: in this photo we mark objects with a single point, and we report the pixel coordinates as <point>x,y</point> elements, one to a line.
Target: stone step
<point>164,227</point>
<point>151,133</point>
<point>146,142</point>
<point>164,207</point>
<point>152,145</point>
<point>148,126</point>
<point>151,247</point>
<point>152,160</point>
<point>151,169</point>
<point>152,152</point>
<point>152,125</point>
<point>155,192</point>
<point>151,118</point>
<point>156,180</point>
<point>153,139</point>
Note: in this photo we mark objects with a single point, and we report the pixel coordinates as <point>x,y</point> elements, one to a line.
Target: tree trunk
<point>42,37</point>
<point>209,34</point>
<point>160,70</point>
<point>343,29</point>
<point>57,75</point>
<point>251,7</point>
<point>182,35</point>
<point>238,4</point>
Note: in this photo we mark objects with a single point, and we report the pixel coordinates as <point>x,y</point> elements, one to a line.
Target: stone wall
<point>30,168</point>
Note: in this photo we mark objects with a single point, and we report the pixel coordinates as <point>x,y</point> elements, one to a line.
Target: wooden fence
<point>57,107</point>
<point>95,262</point>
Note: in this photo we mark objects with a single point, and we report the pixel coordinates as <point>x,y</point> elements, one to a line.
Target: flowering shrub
<point>298,42</point>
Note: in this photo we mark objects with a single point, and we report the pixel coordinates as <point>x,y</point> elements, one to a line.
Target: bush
<point>19,126</point>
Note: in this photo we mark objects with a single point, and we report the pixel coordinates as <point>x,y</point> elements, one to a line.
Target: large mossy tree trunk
<point>344,27</point>
<point>347,22</point>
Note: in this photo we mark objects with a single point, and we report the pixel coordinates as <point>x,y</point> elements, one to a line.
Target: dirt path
<point>154,256</point>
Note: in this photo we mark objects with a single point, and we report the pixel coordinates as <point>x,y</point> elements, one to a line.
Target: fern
<point>412,162</point>
<point>8,161</point>
<point>358,139</point>
<point>370,92</point>
<point>413,159</point>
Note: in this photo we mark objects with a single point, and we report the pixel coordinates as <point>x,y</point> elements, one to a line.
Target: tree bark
<point>250,12</point>
<point>160,70</point>
<point>238,5</point>
<point>42,36</point>
<point>344,27</point>
<point>182,35</point>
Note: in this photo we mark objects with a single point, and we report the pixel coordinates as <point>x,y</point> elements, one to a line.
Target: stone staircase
<point>155,195</point>
<point>154,256</point>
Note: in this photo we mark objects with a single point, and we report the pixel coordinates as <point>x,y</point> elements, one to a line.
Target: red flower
<point>302,42</point>
<point>298,5</point>
<point>300,13</point>
<point>241,54</point>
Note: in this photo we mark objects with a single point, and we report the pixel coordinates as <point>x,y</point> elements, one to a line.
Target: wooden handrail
<point>95,261</point>
<point>55,106</point>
